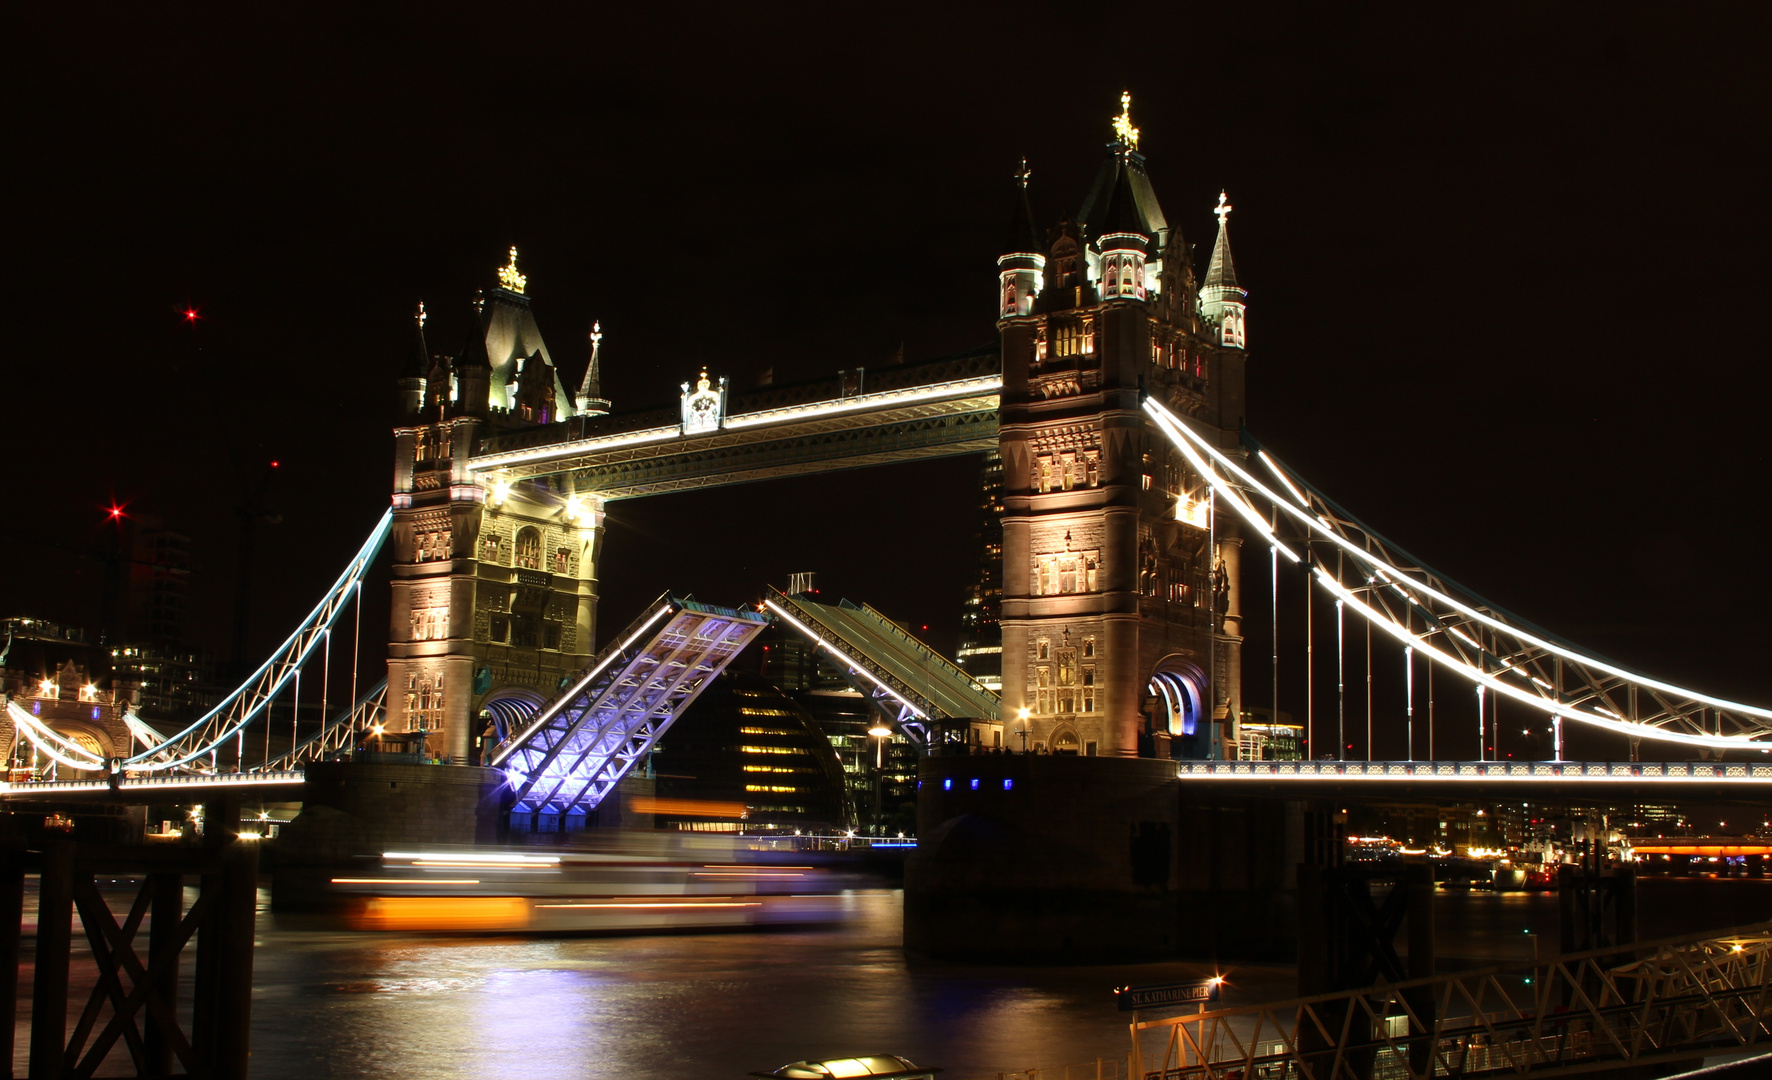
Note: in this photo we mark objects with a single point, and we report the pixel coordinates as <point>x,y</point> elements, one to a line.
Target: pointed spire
<point>473,353</point>
<point>591,401</point>
<point>419,363</point>
<point>1222,272</point>
<point>1221,298</point>
<point>1023,236</point>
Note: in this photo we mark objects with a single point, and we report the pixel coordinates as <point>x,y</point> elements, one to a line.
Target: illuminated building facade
<point>745,742</point>
<point>980,649</point>
<point>880,772</point>
<point>48,670</point>
<point>1121,610</point>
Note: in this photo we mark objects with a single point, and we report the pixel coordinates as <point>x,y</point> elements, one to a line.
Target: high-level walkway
<point>883,661</point>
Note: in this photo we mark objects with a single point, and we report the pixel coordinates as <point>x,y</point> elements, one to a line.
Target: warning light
<point>274,464</point>
<point>190,314</point>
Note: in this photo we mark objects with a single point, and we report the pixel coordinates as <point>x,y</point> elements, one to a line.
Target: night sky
<point>1505,275</point>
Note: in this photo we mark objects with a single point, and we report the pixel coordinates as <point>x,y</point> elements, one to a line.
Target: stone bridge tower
<point>1121,606</point>
<point>494,584</point>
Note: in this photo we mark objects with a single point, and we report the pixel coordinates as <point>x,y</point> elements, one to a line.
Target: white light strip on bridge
<point>879,400</point>
<point>1374,561</point>
<point>1231,495</point>
<point>35,730</point>
<point>839,654</point>
<point>1275,469</point>
<point>577,446</point>
<point>561,700</point>
<point>739,421</point>
<point>1420,644</point>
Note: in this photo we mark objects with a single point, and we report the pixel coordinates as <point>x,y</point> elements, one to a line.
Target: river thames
<point>330,1002</point>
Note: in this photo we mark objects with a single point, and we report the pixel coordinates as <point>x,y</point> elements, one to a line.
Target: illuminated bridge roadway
<point>1460,781</point>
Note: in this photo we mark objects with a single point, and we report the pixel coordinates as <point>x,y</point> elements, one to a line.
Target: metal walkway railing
<point>579,745</point>
<point>1665,1001</point>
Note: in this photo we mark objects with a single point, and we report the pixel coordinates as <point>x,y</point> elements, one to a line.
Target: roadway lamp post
<point>1022,714</point>
<point>880,733</point>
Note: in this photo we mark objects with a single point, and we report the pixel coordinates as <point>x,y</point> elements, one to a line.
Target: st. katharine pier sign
<point>1118,580</point>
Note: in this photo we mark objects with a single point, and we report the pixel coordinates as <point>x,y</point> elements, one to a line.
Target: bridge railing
<point>1599,772</point>
<point>1641,1004</point>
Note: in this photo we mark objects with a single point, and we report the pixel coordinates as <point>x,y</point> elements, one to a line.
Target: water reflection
<point>338,1003</point>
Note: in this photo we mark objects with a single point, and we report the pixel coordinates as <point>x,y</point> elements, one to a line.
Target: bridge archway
<point>1180,689</point>
<point>508,708</point>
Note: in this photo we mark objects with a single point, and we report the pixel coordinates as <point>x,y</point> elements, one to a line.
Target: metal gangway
<point>1676,999</point>
<point>912,683</point>
<point>565,759</point>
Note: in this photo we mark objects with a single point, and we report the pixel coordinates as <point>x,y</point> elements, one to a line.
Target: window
<point>1044,649</point>
<point>1043,703</point>
<point>562,559</point>
<point>421,451</point>
<point>550,635</point>
<point>430,623</point>
<point>1045,475</point>
<point>490,548</point>
<point>1067,576</point>
<point>1067,467</point>
<point>523,632</point>
<point>529,549</point>
<point>1088,646</point>
<point>500,629</point>
<point>1088,699</point>
<point>1094,462</point>
<point>1066,702</point>
<point>1067,339</point>
<point>1008,296</point>
<point>1088,676</point>
<point>424,701</point>
<point>431,546</point>
<point>1067,667</point>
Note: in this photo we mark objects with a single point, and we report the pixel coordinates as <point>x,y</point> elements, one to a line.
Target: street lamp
<point>1023,713</point>
<point>880,733</point>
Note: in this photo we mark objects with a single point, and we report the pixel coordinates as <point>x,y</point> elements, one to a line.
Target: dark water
<point>339,1003</point>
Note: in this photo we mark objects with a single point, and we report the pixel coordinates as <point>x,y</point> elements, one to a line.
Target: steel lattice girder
<point>582,743</point>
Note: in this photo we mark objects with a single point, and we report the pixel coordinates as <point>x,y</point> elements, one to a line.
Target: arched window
<point>529,548</point>
<point>1009,297</point>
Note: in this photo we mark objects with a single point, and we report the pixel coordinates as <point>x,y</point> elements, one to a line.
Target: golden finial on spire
<point>419,315</point>
<point>1123,129</point>
<point>1024,174</point>
<point>1223,210</point>
<point>508,276</point>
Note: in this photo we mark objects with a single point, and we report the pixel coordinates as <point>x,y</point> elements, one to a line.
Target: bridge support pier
<point>1078,859</point>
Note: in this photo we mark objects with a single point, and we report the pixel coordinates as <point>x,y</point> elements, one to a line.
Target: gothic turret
<point>591,401</point>
<point>473,371</point>
<point>1221,301</point>
<point>1021,269</point>
<point>410,387</point>
<point>1126,228</point>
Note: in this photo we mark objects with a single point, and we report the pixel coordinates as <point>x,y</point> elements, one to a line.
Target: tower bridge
<point>1133,498</point>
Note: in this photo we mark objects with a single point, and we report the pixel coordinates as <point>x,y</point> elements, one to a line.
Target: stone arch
<point>506,708</point>
<point>1065,741</point>
<point>1180,688</point>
